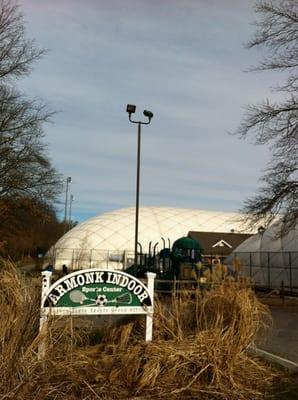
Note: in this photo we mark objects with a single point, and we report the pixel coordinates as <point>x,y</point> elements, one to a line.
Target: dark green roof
<point>186,243</point>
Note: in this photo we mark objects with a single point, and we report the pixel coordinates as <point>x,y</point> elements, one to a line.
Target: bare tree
<point>25,169</point>
<point>16,52</point>
<point>275,124</point>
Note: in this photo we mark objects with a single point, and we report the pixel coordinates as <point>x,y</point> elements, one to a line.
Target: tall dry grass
<point>199,349</point>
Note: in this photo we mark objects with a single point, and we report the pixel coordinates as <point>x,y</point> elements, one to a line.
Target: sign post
<point>98,292</point>
<point>149,318</point>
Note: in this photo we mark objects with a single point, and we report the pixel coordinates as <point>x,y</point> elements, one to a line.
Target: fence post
<point>124,261</point>
<point>268,269</point>
<point>290,270</point>
<point>174,287</point>
<point>54,257</point>
<point>72,258</point>
<point>282,292</point>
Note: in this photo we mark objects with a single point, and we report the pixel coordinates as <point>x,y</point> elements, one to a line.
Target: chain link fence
<point>270,270</point>
<point>76,259</point>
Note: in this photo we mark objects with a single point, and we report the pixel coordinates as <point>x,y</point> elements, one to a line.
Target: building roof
<point>218,243</point>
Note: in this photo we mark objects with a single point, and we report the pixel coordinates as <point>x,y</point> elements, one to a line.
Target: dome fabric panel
<point>271,240</point>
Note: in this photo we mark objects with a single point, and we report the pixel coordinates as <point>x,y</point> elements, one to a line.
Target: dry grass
<point>199,349</point>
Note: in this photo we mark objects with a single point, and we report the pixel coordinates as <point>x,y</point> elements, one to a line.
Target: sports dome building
<point>270,258</point>
<point>108,239</point>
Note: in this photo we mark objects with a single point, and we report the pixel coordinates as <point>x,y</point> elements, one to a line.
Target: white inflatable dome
<point>270,258</point>
<point>109,238</point>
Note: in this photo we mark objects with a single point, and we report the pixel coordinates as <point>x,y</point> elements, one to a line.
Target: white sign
<point>98,292</point>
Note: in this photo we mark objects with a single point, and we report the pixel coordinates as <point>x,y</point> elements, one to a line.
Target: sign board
<point>98,292</point>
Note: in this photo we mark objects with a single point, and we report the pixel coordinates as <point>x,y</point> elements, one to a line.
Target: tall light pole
<point>68,181</point>
<point>131,109</point>
<point>70,208</point>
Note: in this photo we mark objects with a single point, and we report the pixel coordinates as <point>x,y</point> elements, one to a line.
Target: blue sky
<point>183,60</point>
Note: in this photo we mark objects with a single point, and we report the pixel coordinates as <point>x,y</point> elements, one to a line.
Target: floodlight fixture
<point>148,114</point>
<point>131,109</point>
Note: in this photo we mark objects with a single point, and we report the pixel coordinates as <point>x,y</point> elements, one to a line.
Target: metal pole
<point>137,198</point>
<point>131,108</point>
<point>66,200</point>
<point>290,266</point>
<point>68,180</point>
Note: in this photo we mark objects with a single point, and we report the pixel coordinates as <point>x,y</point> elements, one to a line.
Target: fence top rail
<point>265,252</point>
<point>127,251</point>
